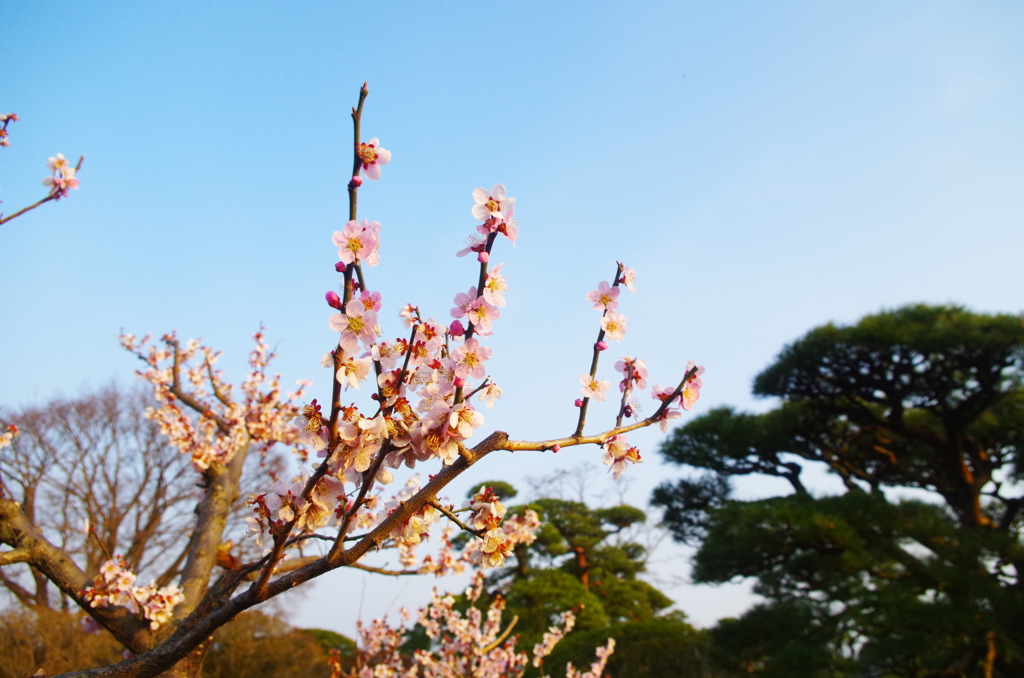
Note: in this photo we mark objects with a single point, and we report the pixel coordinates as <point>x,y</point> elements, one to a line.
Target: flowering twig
<point>596,357</point>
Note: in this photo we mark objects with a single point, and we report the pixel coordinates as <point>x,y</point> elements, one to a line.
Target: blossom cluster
<point>115,585</point>
<point>6,119</point>
<point>685,399</point>
<point>261,417</point>
<point>62,178</point>
<point>7,437</point>
<point>497,539</point>
<point>470,643</point>
<point>422,412</point>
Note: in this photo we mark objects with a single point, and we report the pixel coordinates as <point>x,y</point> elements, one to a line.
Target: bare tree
<point>96,477</point>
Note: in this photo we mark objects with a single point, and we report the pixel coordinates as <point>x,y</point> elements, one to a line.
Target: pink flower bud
<point>356,182</point>
<point>333,300</point>
<point>340,267</point>
<point>579,403</point>
<point>459,382</point>
<point>601,345</point>
<point>456,329</point>
<point>483,257</point>
<point>556,447</point>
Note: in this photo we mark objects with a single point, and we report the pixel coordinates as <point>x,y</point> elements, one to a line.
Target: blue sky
<point>766,168</point>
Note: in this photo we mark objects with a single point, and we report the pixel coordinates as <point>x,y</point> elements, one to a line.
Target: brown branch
<point>500,639</point>
<point>194,404</point>
<point>56,564</point>
<point>454,518</point>
<point>14,556</point>
<point>380,570</point>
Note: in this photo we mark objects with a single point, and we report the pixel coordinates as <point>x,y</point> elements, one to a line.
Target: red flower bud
<point>459,382</point>
<point>333,300</point>
<point>579,403</point>
<point>601,345</point>
<point>456,329</point>
<point>556,448</point>
<point>483,257</point>
<point>340,267</point>
<point>356,182</point>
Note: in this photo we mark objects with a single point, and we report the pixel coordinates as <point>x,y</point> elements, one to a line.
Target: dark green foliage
<point>332,640</point>
<point>582,560</point>
<point>922,398</point>
<point>500,488</point>
<point>789,639</point>
<point>653,648</point>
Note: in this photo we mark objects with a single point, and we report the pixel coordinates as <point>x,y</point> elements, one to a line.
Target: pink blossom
<point>605,297</point>
<point>464,302</point>
<point>691,390</point>
<point>370,300</point>
<point>358,241</point>
<point>628,278</point>
<point>594,388</point>
<point>495,287</point>
<point>373,157</point>
<point>463,420</point>
<point>618,453</point>
<point>491,204</point>
<point>614,326</point>
<point>473,244</point>
<point>639,375</point>
<point>481,314</point>
<point>489,394</point>
<point>355,324</point>
<point>63,178</point>
<point>353,371</point>
<point>387,354</point>
<point>469,359</point>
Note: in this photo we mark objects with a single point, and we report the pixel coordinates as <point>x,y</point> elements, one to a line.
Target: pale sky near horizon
<point>765,167</point>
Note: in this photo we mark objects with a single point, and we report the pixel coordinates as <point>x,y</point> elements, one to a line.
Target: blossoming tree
<point>420,413</point>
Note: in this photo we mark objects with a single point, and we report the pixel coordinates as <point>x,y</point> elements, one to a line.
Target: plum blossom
<point>491,204</point>
<point>387,354</point>
<point>495,286</point>
<point>469,359</point>
<point>115,585</point>
<point>6,119</point>
<point>691,390</point>
<point>594,388</point>
<point>481,313</point>
<point>371,300</point>
<point>605,297</point>
<point>489,394</point>
<point>373,157</point>
<point>358,241</point>
<point>597,667</point>
<point>7,438</point>
<point>63,178</point>
<point>614,326</point>
<point>474,243</point>
<point>618,453</point>
<point>355,324</point>
<point>628,278</point>
<point>353,371</point>
<point>670,413</point>
<point>464,302</point>
<point>638,374</point>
